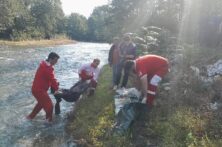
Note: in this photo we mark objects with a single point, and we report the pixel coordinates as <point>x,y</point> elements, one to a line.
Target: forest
<point>197,22</point>
<point>187,110</point>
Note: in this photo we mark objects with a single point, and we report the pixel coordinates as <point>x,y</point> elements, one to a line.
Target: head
<point>115,40</point>
<point>127,38</point>
<point>52,58</point>
<point>129,66</point>
<point>96,62</point>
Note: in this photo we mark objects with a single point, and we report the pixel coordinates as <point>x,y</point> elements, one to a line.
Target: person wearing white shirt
<point>90,72</point>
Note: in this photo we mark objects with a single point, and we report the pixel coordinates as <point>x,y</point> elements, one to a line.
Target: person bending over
<point>149,71</point>
<point>90,72</point>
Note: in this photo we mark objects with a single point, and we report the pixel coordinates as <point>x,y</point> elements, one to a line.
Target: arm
<point>84,75</point>
<point>131,52</point>
<point>52,79</point>
<point>96,74</point>
<point>110,57</point>
<point>144,83</point>
<point>95,78</point>
<point>121,54</point>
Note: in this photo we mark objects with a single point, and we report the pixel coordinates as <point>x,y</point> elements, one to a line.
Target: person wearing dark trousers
<point>127,52</point>
<point>113,60</point>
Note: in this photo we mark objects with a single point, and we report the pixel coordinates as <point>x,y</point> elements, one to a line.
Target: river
<point>17,69</point>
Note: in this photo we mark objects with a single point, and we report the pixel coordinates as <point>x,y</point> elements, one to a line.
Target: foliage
<point>132,15</point>
<point>76,26</point>
<point>167,125</point>
<point>183,127</point>
<point>180,117</point>
<point>154,40</point>
<point>193,22</point>
<point>22,19</point>
<point>97,22</point>
<point>94,124</point>
<point>47,15</point>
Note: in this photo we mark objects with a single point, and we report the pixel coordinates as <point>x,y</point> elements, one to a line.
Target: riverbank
<point>94,117</point>
<point>17,70</point>
<point>37,43</point>
<point>180,117</point>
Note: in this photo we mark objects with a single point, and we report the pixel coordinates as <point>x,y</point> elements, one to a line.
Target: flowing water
<point>17,69</point>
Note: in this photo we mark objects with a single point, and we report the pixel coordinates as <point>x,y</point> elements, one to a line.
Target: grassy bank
<point>37,43</point>
<point>180,118</point>
<point>94,116</point>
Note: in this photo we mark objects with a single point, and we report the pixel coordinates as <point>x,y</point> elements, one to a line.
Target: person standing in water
<point>44,78</point>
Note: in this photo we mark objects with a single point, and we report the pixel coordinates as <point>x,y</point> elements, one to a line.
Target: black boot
<point>57,106</point>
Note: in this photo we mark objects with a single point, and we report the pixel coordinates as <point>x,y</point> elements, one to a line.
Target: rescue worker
<point>44,78</point>
<point>149,71</point>
<point>90,72</point>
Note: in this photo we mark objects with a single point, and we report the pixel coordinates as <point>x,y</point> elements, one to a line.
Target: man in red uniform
<point>90,72</point>
<point>44,78</point>
<point>149,69</point>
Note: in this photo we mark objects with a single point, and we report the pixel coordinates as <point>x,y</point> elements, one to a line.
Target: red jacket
<point>44,78</point>
<point>151,64</point>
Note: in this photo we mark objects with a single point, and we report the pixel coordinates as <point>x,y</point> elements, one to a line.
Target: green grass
<point>165,126</point>
<point>94,115</point>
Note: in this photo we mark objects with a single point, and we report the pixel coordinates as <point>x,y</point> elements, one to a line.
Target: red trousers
<point>43,101</point>
<point>152,88</point>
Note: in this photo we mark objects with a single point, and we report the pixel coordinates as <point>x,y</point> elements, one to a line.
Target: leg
<point>92,87</point>
<point>37,107</point>
<point>119,73</point>
<point>152,88</point>
<point>57,106</point>
<point>125,80</point>
<point>153,83</point>
<point>35,111</point>
<point>47,106</point>
<point>113,75</point>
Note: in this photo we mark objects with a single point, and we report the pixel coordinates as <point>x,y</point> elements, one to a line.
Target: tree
<point>98,23</point>
<point>77,26</point>
<point>45,18</point>
<point>10,9</point>
<point>26,19</point>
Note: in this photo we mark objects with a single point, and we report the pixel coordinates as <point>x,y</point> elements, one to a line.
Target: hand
<point>144,100</point>
<point>93,83</point>
<point>56,92</point>
<point>89,74</point>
